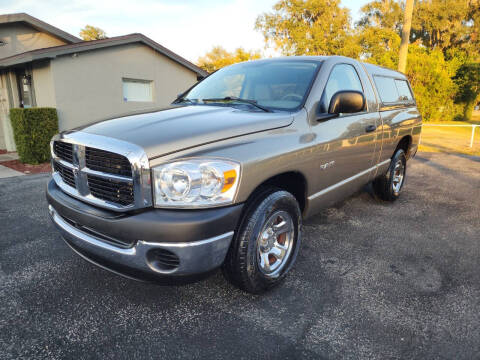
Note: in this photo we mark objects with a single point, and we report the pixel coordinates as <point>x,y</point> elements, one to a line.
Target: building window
<point>137,90</point>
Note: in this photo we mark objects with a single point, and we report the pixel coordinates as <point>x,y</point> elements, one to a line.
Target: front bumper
<point>165,255</point>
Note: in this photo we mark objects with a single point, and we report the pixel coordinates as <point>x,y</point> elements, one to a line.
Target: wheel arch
<point>292,181</point>
<point>405,144</point>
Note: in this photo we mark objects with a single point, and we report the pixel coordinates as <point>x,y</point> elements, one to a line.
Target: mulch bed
<point>27,168</point>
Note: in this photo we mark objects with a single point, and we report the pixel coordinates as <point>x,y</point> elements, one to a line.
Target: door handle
<point>370,128</point>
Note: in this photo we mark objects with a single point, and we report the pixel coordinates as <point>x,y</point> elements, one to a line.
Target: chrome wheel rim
<point>275,243</point>
<point>398,176</point>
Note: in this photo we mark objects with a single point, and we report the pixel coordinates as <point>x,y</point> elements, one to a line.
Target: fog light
<point>163,260</point>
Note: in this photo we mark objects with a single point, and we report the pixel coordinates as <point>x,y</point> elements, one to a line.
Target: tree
<point>90,32</point>
<point>385,14</point>
<point>468,81</point>
<point>446,24</point>
<point>218,57</point>
<point>429,70</point>
<point>378,32</point>
<point>379,46</point>
<point>474,35</point>
<point>309,27</point>
<point>431,77</point>
<point>407,23</point>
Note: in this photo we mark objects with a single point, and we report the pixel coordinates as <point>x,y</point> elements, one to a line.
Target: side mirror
<point>347,102</point>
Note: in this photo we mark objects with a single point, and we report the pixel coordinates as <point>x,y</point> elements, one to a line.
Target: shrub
<point>32,129</point>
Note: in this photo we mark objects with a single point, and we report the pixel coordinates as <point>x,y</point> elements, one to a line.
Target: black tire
<point>386,186</point>
<point>242,266</point>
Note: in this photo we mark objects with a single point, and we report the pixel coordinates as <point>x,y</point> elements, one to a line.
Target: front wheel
<point>389,185</point>
<point>266,244</point>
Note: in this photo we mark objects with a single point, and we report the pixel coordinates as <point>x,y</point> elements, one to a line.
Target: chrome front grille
<point>66,173</point>
<point>117,191</point>
<point>106,161</point>
<point>84,167</point>
<point>63,150</point>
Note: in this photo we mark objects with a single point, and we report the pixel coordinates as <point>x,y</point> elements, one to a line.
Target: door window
<point>24,80</point>
<point>343,77</point>
<point>386,89</point>
<point>404,93</point>
<point>393,91</point>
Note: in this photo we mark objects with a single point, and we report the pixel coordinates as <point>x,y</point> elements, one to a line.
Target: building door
<point>6,133</point>
<point>25,88</point>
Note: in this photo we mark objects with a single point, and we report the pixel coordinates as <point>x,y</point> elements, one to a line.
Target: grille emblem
<point>78,173</point>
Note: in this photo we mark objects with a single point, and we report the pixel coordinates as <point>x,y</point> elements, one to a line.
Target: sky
<point>190,28</point>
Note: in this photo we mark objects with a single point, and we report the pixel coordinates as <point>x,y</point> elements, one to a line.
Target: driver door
<point>345,145</point>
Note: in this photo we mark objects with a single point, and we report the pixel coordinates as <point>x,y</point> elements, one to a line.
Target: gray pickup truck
<point>225,176</point>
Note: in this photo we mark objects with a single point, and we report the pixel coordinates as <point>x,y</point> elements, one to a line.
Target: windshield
<point>279,85</point>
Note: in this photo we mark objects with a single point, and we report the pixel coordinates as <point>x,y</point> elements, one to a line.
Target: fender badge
<point>327,165</point>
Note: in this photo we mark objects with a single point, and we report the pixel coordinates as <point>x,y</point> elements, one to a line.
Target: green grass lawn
<point>451,139</point>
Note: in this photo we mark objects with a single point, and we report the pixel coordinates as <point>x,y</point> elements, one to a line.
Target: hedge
<point>33,129</point>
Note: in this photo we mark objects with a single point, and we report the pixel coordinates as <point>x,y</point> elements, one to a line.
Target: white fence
<point>472,137</point>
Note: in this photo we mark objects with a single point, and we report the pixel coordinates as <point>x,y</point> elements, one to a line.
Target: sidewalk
<point>6,172</point>
<point>11,166</point>
<point>8,156</point>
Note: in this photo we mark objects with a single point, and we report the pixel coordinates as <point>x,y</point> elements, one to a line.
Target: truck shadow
<point>450,151</point>
<point>447,170</point>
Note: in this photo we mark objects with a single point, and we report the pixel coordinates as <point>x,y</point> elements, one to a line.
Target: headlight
<point>195,183</point>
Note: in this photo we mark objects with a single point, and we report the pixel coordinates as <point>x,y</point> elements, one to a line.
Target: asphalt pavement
<point>373,280</point>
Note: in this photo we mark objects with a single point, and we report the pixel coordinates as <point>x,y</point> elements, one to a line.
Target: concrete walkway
<point>6,172</point>
<point>8,156</point>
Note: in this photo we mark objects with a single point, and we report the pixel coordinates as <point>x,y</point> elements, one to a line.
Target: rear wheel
<point>389,185</point>
<point>266,244</point>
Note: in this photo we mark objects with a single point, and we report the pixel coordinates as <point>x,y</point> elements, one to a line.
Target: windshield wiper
<point>240,100</point>
<point>187,100</point>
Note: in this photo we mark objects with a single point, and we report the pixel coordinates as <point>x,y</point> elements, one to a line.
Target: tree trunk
<point>407,24</point>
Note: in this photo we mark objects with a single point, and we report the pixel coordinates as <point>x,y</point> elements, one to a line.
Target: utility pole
<point>407,24</point>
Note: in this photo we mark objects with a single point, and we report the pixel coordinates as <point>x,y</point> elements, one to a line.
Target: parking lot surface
<point>373,280</point>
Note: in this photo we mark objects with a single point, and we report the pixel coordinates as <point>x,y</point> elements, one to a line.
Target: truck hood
<point>167,131</point>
